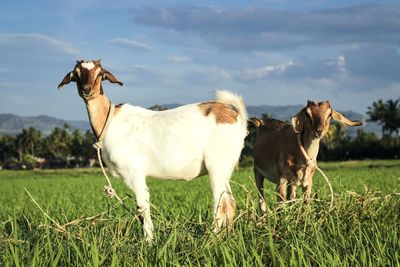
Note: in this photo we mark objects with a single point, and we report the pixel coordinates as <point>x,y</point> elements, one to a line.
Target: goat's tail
<point>253,124</point>
<point>234,100</point>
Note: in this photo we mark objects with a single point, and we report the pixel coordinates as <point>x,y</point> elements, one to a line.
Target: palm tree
<point>335,135</point>
<point>27,140</point>
<point>377,113</point>
<point>34,137</point>
<point>387,114</point>
<point>392,116</point>
<point>58,143</point>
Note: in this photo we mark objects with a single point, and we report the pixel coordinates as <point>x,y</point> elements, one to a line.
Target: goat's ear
<point>298,121</point>
<point>342,119</point>
<point>70,77</point>
<point>109,76</point>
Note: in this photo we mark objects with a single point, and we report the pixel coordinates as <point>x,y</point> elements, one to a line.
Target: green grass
<point>363,229</point>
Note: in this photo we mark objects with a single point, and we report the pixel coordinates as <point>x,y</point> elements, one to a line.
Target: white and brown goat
<point>278,147</point>
<point>181,143</point>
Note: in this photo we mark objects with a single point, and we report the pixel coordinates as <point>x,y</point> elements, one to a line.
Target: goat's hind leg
<point>224,203</point>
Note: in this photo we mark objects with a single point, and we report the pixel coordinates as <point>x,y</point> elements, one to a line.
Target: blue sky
<point>272,52</point>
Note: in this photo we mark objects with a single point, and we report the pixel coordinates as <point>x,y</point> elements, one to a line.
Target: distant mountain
<point>13,124</point>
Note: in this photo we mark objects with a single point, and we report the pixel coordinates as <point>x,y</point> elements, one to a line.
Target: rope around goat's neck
<point>108,189</point>
<point>310,162</point>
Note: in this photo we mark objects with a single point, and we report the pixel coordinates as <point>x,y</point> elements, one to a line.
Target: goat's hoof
<point>216,230</point>
<point>149,240</point>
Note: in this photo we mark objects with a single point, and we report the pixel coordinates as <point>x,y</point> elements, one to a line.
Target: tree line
<point>338,146</point>
<point>65,147</point>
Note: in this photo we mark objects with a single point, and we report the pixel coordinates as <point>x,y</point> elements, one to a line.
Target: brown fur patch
<point>226,211</point>
<point>223,113</point>
<point>223,206</point>
<point>232,209</point>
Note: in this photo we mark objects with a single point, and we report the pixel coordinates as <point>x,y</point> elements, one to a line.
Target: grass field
<point>363,228</point>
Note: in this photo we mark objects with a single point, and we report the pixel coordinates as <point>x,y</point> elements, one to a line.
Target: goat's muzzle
<point>87,88</point>
<point>87,91</point>
<point>318,132</point>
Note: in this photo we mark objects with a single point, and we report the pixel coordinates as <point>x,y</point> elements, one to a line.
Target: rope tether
<point>108,189</point>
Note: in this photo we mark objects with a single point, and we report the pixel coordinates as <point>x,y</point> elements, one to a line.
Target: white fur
<point>88,65</point>
<point>181,143</point>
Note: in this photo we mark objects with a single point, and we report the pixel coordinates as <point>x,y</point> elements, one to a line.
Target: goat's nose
<point>319,130</point>
<point>87,88</point>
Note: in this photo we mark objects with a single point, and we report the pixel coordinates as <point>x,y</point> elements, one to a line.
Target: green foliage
<point>266,116</point>
<point>7,147</point>
<point>387,114</point>
<point>59,142</point>
<point>363,146</point>
<point>27,140</point>
<point>361,230</point>
<point>59,146</point>
<point>157,108</point>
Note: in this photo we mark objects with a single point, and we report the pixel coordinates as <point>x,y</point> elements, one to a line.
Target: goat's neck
<point>311,145</point>
<point>98,109</point>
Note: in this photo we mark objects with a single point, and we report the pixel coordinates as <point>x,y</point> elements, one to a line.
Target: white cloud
<point>36,39</point>
<point>131,45</point>
<point>260,73</point>
<point>178,59</point>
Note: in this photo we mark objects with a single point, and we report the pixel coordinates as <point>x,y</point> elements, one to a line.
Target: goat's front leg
<point>139,187</point>
<point>307,187</point>
<point>292,191</point>
<point>260,186</point>
<point>281,189</point>
<point>307,184</point>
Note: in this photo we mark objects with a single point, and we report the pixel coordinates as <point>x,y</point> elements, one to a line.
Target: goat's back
<point>275,142</point>
<point>273,125</point>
